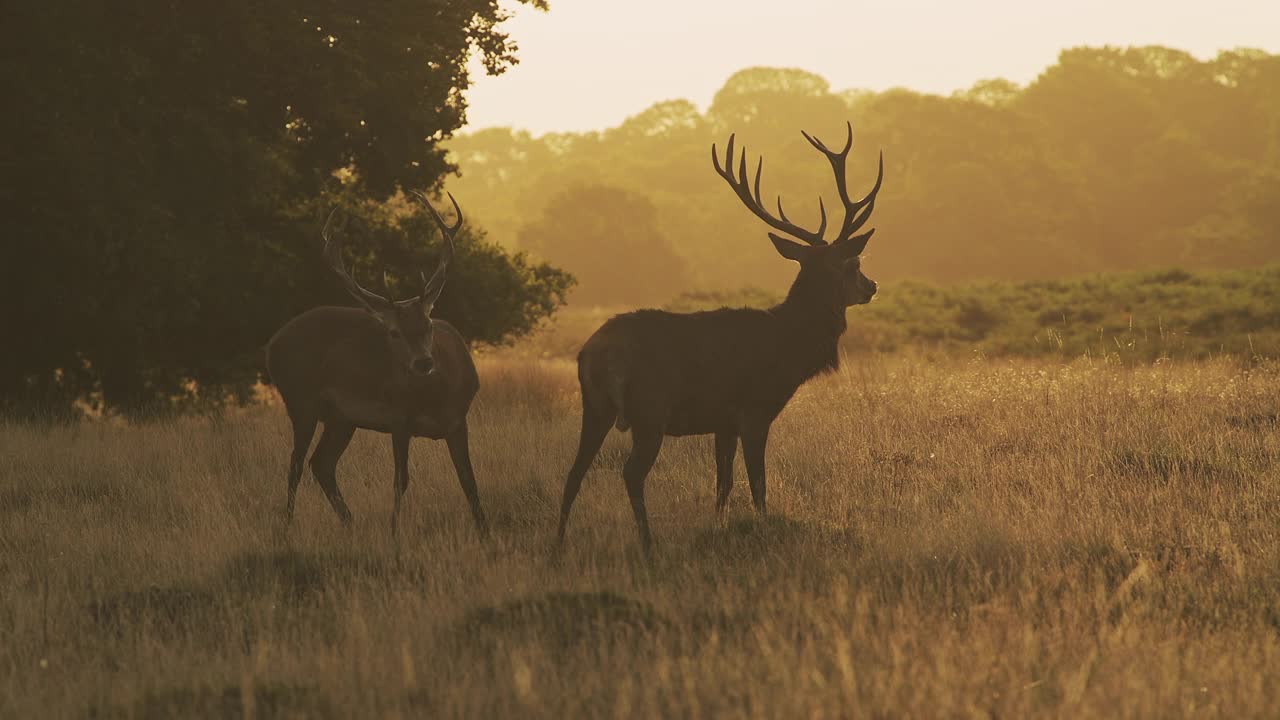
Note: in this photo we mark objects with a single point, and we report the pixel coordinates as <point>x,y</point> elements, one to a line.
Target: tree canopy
<point>173,164</point>
<point>1113,159</point>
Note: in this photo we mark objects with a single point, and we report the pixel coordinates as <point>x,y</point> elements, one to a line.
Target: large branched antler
<point>431,288</point>
<point>856,213</point>
<point>853,218</point>
<point>332,234</point>
<point>739,184</point>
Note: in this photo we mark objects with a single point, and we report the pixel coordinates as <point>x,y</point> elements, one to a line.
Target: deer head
<point>835,266</point>
<point>407,323</point>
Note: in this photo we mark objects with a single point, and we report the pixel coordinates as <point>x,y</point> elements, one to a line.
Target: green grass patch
<point>1133,316</point>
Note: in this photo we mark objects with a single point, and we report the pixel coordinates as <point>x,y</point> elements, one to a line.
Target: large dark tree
<point>164,165</point>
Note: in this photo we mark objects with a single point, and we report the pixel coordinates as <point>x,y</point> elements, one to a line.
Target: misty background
<point>1112,159</point>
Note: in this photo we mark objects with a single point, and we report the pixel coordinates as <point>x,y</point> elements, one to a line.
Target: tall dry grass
<point>980,538</point>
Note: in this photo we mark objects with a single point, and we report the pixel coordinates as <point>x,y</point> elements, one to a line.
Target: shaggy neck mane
<point>813,318</point>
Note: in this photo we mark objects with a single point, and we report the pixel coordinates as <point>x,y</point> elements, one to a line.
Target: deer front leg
<point>754,438</point>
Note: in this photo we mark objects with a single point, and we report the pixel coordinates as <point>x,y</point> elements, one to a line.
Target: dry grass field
<point>948,538</point>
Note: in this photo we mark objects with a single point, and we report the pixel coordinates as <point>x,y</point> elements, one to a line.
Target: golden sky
<point>588,64</point>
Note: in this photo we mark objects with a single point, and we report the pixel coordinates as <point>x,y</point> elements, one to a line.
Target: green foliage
<point>161,201</point>
<point>1132,316</point>
<point>1128,316</point>
<point>1115,159</point>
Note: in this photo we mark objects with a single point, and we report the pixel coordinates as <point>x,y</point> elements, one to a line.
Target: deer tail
<point>615,386</point>
<point>617,392</point>
<point>603,372</point>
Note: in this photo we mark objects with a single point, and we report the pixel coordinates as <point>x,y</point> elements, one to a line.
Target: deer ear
<point>788,249</point>
<point>853,247</point>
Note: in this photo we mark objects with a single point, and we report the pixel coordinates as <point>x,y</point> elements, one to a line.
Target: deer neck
<point>813,320</point>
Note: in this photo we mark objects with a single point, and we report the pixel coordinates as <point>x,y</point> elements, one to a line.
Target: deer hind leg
<point>324,464</point>
<point>304,429</point>
<point>646,442</point>
<point>595,427</point>
<point>726,449</point>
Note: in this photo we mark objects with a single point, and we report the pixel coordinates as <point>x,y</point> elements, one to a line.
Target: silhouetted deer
<point>729,371</point>
<point>386,366</point>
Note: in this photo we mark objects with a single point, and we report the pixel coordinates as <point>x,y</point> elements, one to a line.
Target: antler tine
<point>875,189</point>
<point>449,230</point>
<point>837,160</point>
<point>327,230</point>
<point>868,202</point>
<point>333,255</point>
<point>759,169</point>
<point>728,163</point>
<point>815,142</point>
<point>743,187</point>
<point>822,210</point>
<point>456,211</point>
<point>822,147</point>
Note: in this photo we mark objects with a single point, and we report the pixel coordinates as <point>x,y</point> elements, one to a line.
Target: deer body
<point>727,372</point>
<point>334,360</point>
<point>388,367</point>
<point>704,372</point>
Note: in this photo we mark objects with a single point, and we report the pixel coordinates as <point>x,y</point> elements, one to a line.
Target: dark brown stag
<point>386,366</point>
<point>725,372</point>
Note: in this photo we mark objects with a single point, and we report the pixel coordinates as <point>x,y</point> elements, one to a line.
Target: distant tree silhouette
<point>758,96</point>
<point>609,239</point>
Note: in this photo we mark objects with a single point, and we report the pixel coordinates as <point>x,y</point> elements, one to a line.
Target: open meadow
<point>947,537</point>
<point>1040,477</point>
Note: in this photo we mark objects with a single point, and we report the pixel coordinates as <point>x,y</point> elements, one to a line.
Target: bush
<point>1137,316</point>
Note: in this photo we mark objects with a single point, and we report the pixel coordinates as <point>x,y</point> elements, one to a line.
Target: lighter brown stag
<point>386,366</point>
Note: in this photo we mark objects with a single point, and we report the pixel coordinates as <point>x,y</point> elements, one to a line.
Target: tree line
<point>1113,159</point>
